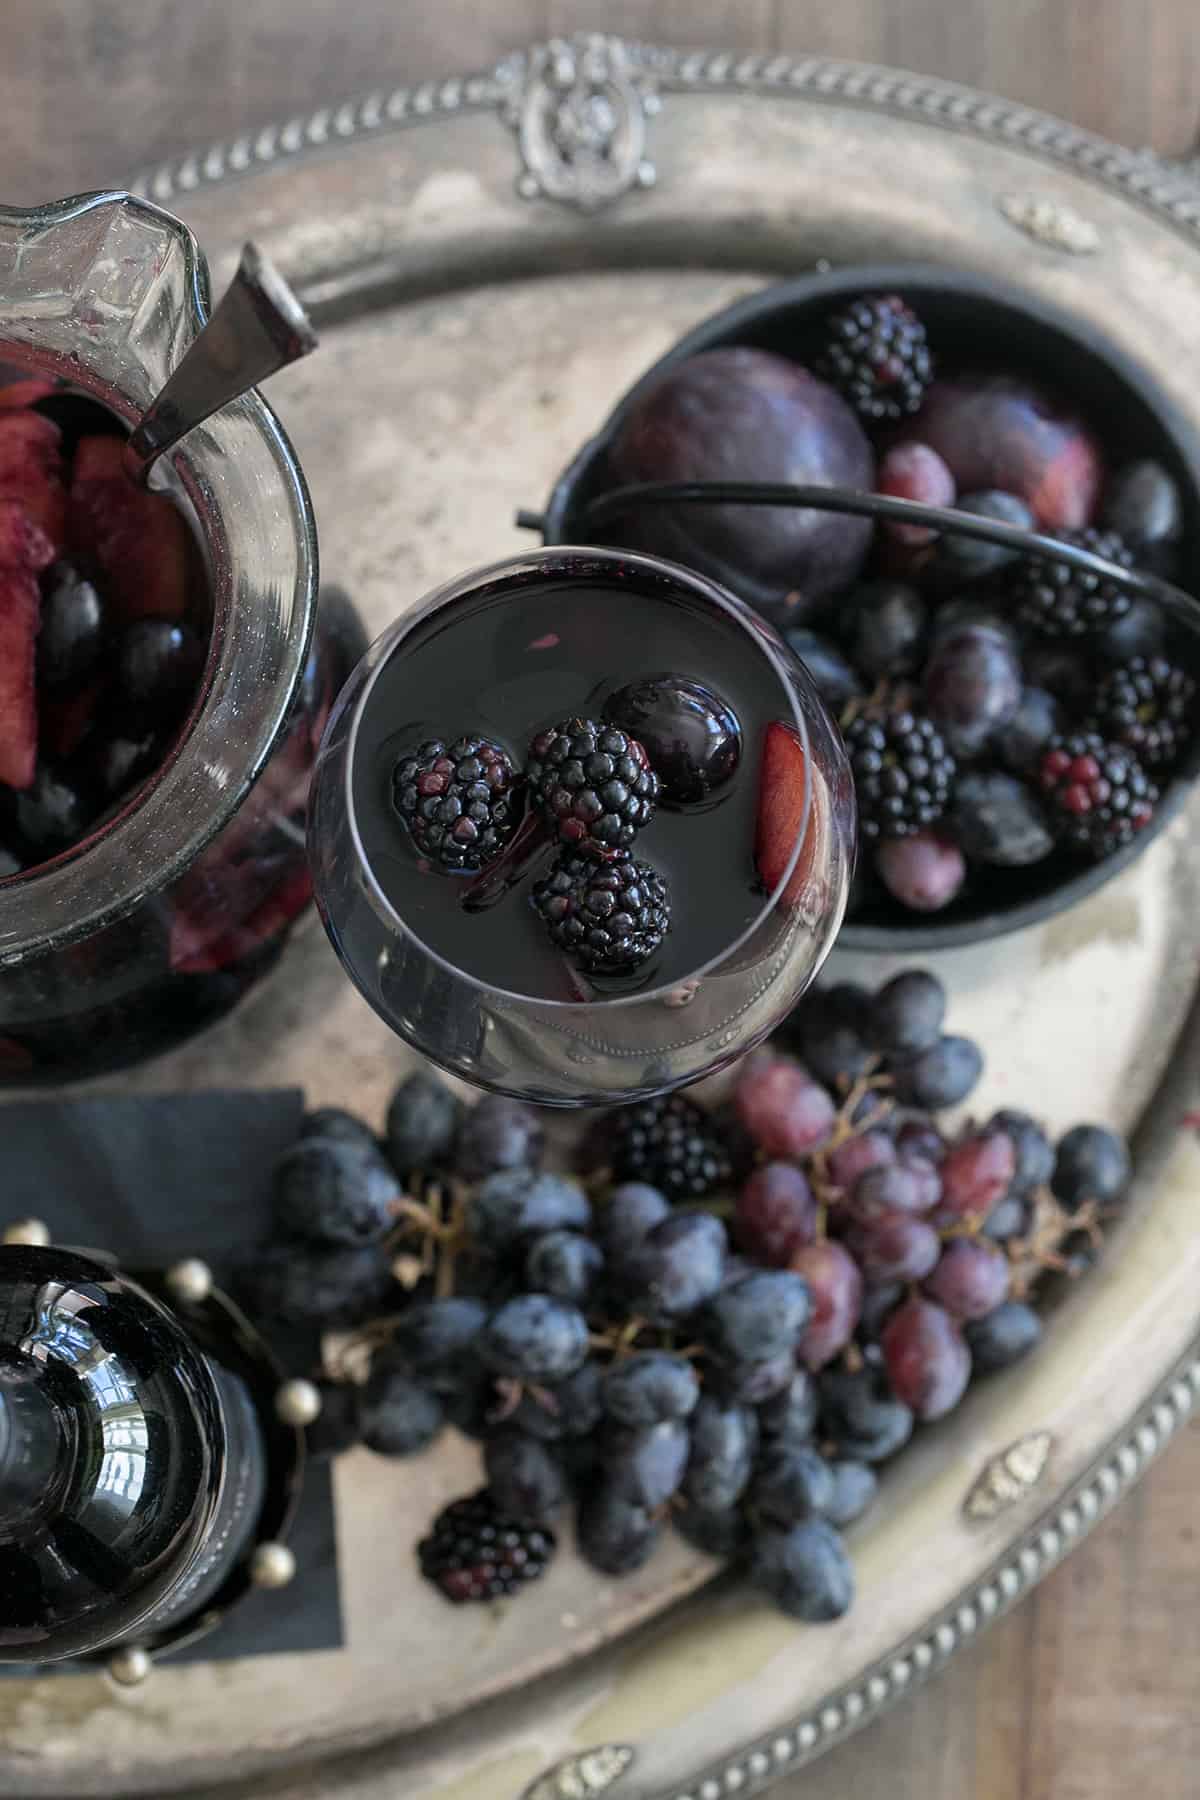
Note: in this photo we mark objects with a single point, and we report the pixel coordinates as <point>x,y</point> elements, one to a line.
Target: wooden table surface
<point>1089,1691</point>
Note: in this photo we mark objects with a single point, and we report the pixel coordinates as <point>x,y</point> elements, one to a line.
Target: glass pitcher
<point>181,895</point>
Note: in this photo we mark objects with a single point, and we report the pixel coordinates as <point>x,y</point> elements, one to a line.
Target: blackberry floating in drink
<point>581,828</point>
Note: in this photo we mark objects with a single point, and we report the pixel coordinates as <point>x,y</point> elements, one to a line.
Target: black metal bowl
<point>973,322</point>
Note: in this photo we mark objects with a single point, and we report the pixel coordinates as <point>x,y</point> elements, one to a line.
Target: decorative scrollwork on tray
<point>579,108</point>
<point>1050,222</point>
<point>1009,1476</point>
<point>582,1777</point>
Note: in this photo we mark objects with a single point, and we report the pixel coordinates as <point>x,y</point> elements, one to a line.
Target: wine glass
<point>565,627</point>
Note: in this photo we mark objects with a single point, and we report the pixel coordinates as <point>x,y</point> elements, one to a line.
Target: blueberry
<point>886,623</point>
<point>335,1122</point>
<point>564,1264</point>
<point>649,1386</point>
<point>1142,631</point>
<point>158,666</point>
<point>1002,1337</point>
<point>1035,1154</point>
<point>564,1410</point>
<point>438,1340</point>
<point>791,1482</point>
<point>1011,1217</point>
<point>535,1338</point>
<point>615,1535</point>
<point>499,1133</point>
<point>646,1465</point>
<point>832,676</point>
<point>50,814</point>
<point>472,1406</point>
<point>855,1485</point>
<point>830,1030</point>
<point>422,1124</point>
<point>1037,719</point>
<point>398,1417</point>
<point>303,1283</point>
<point>334,1192</point>
<point>752,1383</point>
<point>677,1266</point>
<point>1091,1163</point>
<point>860,1416</point>
<point>71,633</point>
<point>526,1478</point>
<point>906,1014</point>
<point>1143,505</point>
<point>724,1534</point>
<point>690,734</point>
<point>337,1426</point>
<point>632,1210</point>
<point>724,1439</point>
<point>792,1414</point>
<point>806,1571</point>
<point>969,558</point>
<point>941,1076</point>
<point>998,821</point>
<point>514,1204</point>
<point>758,1318</point>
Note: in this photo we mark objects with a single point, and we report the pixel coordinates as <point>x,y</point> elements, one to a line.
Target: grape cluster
<point>736,1360</point>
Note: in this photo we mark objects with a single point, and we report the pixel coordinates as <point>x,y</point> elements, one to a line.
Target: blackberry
<point>668,1142</point>
<point>1056,600</point>
<point>903,772</point>
<point>1099,795</point>
<point>1146,707</point>
<point>608,916</point>
<point>474,1552</point>
<point>593,783</point>
<point>457,800</point>
<point>877,356</point>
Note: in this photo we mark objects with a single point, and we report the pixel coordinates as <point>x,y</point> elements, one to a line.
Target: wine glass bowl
<point>554,634</point>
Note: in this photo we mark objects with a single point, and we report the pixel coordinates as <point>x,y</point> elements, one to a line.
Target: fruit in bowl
<point>1019,726</point>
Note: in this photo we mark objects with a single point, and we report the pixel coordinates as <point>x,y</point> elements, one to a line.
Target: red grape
<point>976,1173</point>
<point>869,1150</point>
<point>971,1279</point>
<point>924,871</point>
<point>785,1111</point>
<point>927,1360</point>
<point>919,1138</point>
<point>914,472</point>
<point>836,1286</point>
<point>776,1214</point>
<point>893,1246</point>
<point>911,1185</point>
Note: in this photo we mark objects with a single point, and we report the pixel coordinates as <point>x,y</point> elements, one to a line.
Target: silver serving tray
<point>493,259</point>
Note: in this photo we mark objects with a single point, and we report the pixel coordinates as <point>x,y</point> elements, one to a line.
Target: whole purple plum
<point>999,431</point>
<point>747,415</point>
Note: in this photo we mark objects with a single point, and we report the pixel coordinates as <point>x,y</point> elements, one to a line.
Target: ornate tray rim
<point>641,71</point>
